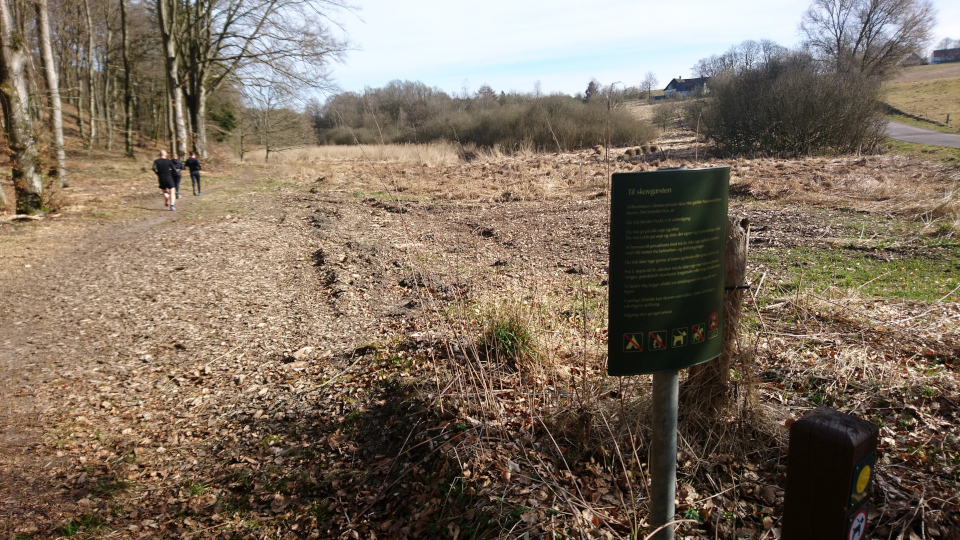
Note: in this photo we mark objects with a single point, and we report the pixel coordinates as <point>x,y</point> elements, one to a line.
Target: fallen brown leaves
<point>303,359</point>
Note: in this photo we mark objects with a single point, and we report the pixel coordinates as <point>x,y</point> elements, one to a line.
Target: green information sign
<point>667,244</point>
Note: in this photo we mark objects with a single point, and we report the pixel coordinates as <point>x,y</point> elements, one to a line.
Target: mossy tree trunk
<point>14,56</point>
<point>127,86</point>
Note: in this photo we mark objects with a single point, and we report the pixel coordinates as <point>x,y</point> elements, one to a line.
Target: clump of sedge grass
<point>507,335</point>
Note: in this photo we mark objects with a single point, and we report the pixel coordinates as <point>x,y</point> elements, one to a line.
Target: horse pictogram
<point>698,335</point>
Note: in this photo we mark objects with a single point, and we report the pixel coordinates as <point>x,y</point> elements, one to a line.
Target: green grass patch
<point>507,334</point>
<point>915,277</point>
<point>920,123</point>
<point>942,154</point>
<point>196,489</point>
<point>86,523</point>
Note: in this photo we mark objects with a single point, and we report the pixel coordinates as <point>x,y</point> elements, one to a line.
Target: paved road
<point>903,132</point>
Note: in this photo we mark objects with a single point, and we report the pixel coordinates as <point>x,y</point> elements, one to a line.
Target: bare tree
<point>91,66</point>
<point>275,124</point>
<point>649,83</point>
<point>14,56</point>
<point>166,16</point>
<point>53,88</point>
<point>947,43</point>
<point>664,114</point>
<point>253,40</point>
<point>867,36</point>
<point>127,86</point>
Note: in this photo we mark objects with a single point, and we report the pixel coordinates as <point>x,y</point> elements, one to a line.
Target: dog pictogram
<point>679,336</point>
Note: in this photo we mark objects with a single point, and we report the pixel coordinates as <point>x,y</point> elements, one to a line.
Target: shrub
<point>509,122</point>
<point>665,114</point>
<point>788,107</point>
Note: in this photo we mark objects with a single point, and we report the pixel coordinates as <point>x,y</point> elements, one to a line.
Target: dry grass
<point>642,110</point>
<point>419,154</point>
<point>915,189</point>
<point>928,73</point>
<point>931,99</point>
<point>559,402</point>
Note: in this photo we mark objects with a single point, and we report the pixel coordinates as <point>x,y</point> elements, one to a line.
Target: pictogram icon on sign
<point>631,342</point>
<point>714,321</point>
<point>864,479</point>
<point>698,335</point>
<point>658,340</point>
<point>858,525</point>
<point>678,337</point>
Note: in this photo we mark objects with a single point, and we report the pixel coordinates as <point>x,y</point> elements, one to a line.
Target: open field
<point>928,92</point>
<point>928,73</point>
<point>396,342</point>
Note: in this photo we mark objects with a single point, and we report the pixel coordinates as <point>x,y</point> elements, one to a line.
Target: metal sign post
<point>663,452</point>
<point>667,249</point>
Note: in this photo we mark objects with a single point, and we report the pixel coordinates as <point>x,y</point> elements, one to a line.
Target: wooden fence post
<point>707,386</point>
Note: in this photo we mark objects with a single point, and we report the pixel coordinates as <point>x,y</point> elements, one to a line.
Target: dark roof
<point>687,85</point>
<point>943,53</point>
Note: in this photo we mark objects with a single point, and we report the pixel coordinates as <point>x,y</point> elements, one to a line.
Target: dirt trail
<point>95,340</point>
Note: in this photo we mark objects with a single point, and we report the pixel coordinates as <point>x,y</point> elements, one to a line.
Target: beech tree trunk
<point>82,130</point>
<point>165,10</point>
<point>91,80</point>
<point>107,90</point>
<point>14,55</point>
<point>53,87</point>
<point>197,106</point>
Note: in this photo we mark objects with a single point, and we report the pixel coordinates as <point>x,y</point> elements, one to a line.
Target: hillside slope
<point>928,92</point>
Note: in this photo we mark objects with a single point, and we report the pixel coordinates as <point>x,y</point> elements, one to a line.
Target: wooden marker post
<point>667,246</point>
<point>830,469</point>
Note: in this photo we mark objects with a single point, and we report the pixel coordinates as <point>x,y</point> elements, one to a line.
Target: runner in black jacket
<point>177,173</point>
<point>194,165</point>
<point>164,169</point>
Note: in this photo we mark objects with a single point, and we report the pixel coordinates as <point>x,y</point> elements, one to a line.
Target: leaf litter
<point>312,366</point>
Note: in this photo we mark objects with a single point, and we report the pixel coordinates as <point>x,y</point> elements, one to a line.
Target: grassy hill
<point>929,93</point>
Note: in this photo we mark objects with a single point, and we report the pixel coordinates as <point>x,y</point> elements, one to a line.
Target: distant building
<point>686,87</point>
<point>946,55</point>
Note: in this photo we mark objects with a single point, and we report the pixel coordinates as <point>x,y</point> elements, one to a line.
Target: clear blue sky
<point>512,44</point>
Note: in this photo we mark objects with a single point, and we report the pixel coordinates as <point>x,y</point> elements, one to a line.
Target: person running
<point>194,165</point>
<point>164,168</point>
<point>177,173</point>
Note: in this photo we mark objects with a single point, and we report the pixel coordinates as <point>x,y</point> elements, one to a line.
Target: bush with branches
<point>487,119</point>
<point>789,106</point>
